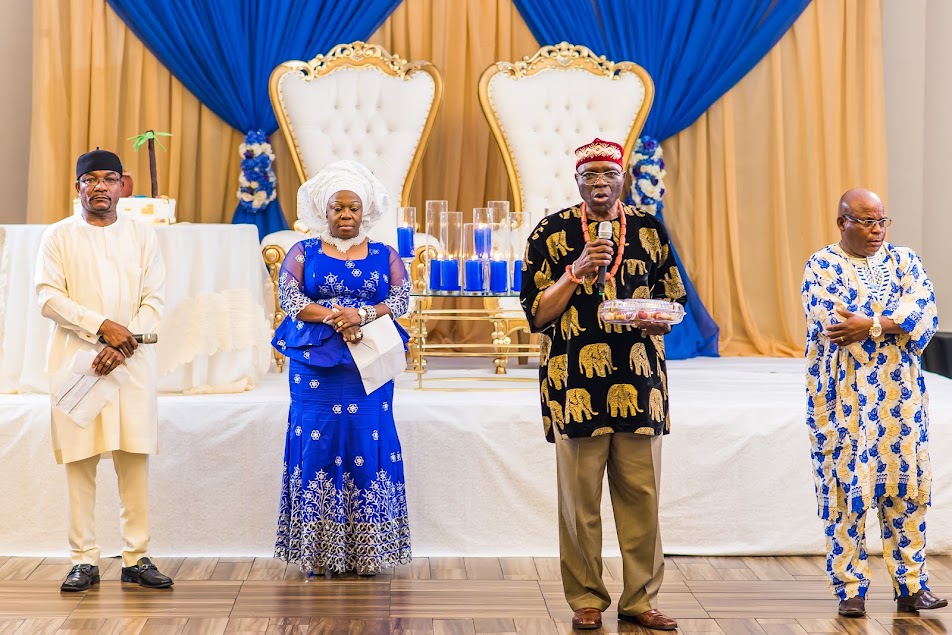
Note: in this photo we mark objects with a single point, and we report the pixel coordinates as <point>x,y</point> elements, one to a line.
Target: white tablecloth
<point>214,336</point>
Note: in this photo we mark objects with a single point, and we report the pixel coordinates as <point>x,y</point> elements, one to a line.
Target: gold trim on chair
<point>356,55</point>
<point>562,55</point>
<point>273,257</point>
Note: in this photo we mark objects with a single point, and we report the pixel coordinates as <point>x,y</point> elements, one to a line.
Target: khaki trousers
<point>634,479</point>
<point>132,473</point>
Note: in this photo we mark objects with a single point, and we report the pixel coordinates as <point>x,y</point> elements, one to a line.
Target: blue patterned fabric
<point>224,52</point>
<point>343,498</point>
<point>866,402</point>
<point>867,412</point>
<point>903,526</point>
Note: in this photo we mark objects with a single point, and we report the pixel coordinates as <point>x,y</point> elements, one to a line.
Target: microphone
<point>141,338</point>
<point>604,231</point>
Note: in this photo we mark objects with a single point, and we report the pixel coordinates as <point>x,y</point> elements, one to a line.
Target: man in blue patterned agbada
<point>870,313</point>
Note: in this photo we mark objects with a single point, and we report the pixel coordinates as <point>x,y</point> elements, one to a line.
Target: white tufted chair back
<point>542,108</point>
<point>358,102</point>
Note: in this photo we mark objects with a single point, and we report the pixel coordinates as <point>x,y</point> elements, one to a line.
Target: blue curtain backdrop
<point>224,52</point>
<point>695,51</point>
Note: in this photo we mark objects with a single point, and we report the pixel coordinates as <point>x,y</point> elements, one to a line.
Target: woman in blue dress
<point>343,499</point>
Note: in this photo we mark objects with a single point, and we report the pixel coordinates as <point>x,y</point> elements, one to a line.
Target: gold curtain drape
<point>95,84</point>
<point>754,183</point>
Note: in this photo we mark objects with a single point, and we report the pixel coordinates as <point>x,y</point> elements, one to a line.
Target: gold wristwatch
<point>876,329</point>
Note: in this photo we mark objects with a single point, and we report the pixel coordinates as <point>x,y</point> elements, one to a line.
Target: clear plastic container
<point>634,311</point>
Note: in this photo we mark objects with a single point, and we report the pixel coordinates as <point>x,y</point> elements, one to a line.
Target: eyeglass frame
<point>592,180</point>
<point>88,180</point>
<point>867,223</point>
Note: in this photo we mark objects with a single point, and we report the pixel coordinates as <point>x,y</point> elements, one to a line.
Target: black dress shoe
<point>145,574</point>
<point>921,600</point>
<point>853,607</point>
<point>80,578</point>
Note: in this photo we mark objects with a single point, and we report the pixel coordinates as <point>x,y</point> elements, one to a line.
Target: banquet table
<point>215,333</point>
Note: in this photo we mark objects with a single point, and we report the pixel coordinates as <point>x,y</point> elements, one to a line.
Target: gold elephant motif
<point>558,370</point>
<point>545,347</point>
<point>544,391</point>
<point>641,293</point>
<point>569,323</point>
<point>546,425</point>
<point>673,285</point>
<point>543,277</point>
<point>664,253</point>
<point>645,430</point>
<point>650,241</point>
<point>557,245</point>
<point>664,380</point>
<point>596,359</point>
<point>578,405</point>
<point>633,267</point>
<point>638,360</point>
<point>656,405</point>
<point>623,401</point>
<point>602,431</point>
<point>659,347</point>
<point>555,409</point>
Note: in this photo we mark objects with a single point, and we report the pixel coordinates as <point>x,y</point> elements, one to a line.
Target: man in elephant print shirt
<point>603,387</point>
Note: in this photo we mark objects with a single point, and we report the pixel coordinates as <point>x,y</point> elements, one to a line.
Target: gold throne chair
<point>540,109</point>
<point>357,102</point>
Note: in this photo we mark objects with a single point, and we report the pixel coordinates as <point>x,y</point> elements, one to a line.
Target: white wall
<point>16,51</point>
<point>917,61</point>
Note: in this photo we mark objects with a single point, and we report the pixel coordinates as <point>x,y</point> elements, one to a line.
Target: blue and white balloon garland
<point>647,175</point>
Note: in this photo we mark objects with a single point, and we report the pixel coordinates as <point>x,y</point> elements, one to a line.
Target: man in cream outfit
<point>100,278</point>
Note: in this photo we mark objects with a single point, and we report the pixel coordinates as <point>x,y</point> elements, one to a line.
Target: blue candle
<point>405,241</point>
<point>474,275</point>
<point>449,274</point>
<point>435,275</point>
<point>482,240</point>
<point>517,275</point>
<point>497,276</point>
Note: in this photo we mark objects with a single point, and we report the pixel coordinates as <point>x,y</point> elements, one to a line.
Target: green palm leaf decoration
<point>150,137</point>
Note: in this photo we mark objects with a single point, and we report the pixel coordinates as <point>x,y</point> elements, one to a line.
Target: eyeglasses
<point>591,178</point>
<point>868,223</point>
<point>92,181</point>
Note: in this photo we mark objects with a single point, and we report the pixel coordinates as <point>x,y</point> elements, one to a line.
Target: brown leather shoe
<point>587,619</point>
<point>651,619</point>
<point>853,607</point>
<point>921,600</point>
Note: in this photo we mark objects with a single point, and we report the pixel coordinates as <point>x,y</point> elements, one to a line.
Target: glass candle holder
<point>451,245</point>
<point>406,230</point>
<point>500,210</point>
<point>434,251</point>
<point>482,231</point>
<point>520,226</point>
<point>474,278</point>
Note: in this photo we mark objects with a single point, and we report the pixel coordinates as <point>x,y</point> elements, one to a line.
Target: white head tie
<point>336,177</point>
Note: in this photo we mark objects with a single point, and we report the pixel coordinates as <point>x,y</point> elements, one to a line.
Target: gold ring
<point>340,324</point>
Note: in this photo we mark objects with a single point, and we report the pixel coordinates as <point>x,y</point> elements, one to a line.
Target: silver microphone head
<point>149,338</point>
<point>605,230</point>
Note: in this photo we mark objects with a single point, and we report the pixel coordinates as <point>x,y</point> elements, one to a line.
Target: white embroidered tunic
<point>84,275</point>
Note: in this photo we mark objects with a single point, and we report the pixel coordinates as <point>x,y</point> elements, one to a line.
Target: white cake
<point>152,210</point>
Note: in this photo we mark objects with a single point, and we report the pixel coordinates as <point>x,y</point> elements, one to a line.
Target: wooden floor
<point>732,596</point>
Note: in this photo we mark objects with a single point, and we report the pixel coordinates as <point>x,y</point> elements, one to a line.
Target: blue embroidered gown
<point>343,499</point>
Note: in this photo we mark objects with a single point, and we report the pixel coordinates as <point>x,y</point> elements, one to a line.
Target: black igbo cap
<point>97,160</point>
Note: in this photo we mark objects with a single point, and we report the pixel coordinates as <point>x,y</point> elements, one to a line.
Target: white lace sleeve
<point>398,300</point>
<point>290,295</point>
